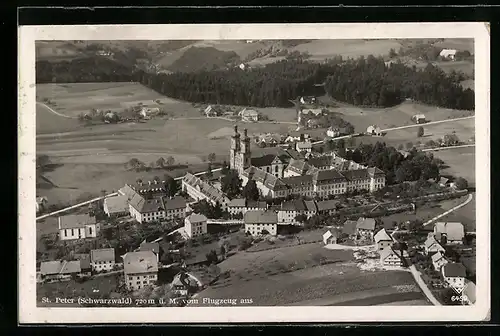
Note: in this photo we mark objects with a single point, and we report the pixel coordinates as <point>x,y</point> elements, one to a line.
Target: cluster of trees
<point>84,70</point>
<point>417,165</point>
<point>160,163</point>
<point>231,184</point>
<point>272,85</point>
<point>326,120</point>
<point>371,82</point>
<point>210,211</point>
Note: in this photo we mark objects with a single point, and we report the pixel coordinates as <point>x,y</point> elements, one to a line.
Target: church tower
<point>235,149</point>
<point>245,151</point>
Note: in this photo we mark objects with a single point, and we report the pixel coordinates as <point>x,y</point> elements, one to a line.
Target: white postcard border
<point>30,313</point>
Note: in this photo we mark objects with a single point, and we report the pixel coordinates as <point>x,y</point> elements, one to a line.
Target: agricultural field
<point>49,122</point>
<point>462,44</point>
<point>72,99</point>
<point>465,215</point>
<point>262,276</point>
<point>399,115</point>
<point>460,162</point>
<point>57,51</point>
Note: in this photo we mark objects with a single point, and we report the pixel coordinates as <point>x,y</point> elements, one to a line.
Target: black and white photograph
<point>267,169</point>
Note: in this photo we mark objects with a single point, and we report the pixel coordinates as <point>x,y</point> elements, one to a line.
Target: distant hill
<point>204,58</point>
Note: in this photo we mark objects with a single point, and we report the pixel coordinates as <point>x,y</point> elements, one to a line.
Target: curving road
<point>54,111</point>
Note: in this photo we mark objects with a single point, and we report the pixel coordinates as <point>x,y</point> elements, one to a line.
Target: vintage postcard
<point>254,173</point>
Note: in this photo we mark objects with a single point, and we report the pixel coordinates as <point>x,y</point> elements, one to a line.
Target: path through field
<point>54,111</point>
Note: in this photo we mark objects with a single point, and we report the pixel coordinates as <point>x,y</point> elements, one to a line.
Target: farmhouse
<point>195,225</point>
<point>391,257</point>
<point>419,118</point>
<point>59,270</point>
<point>327,206</point>
<point>140,269</point>
<point>290,210</point>
<point>438,260</point>
<point>382,239</point>
<point>448,53</point>
<point>249,115</point>
<point>373,130</point>
<point>199,190</point>
<point>102,259</point>
<point>315,112</point>
<point>330,237</point>
<point>77,227</point>
<point>311,208</point>
<point>450,232</point>
<point>432,246</point>
<point>212,111</point>
<point>303,146</point>
<point>308,100</point>
<point>333,132</point>
<point>454,275</point>
<point>261,222</point>
<point>180,284</point>
<point>365,227</point>
<point>116,206</point>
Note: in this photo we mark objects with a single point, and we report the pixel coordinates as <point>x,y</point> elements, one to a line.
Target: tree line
<point>362,81</point>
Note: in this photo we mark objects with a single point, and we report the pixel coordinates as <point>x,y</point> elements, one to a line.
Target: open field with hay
<point>463,129</point>
<point>461,44</point>
<point>269,278</point>
<point>72,99</point>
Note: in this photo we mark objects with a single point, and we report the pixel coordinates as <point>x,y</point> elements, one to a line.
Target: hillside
<point>204,58</point>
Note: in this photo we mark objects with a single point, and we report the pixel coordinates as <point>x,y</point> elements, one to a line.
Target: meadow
<point>72,99</point>
<point>269,278</point>
<point>460,162</point>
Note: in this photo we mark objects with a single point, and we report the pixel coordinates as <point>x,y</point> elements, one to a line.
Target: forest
<point>368,82</point>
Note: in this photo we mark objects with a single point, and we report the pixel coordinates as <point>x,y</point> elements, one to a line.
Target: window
<point>145,282</point>
<point>72,232</point>
<point>130,278</point>
<point>138,282</point>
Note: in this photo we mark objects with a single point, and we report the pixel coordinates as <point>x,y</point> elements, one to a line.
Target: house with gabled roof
<point>151,246</point>
<point>199,189</point>
<point>451,232</point>
<point>140,269</point>
<point>391,257</point>
<point>102,259</point>
<point>146,210</point>
<point>438,260</point>
<point>289,210</point>
<point>59,269</point>
<point>431,245</point>
<point>116,206</point>
<point>77,227</point>
<point>382,239</point>
<point>296,168</point>
<point>195,225</point>
<point>258,221</point>
<point>454,275</point>
<point>330,237</point>
<point>327,206</point>
<point>365,227</point>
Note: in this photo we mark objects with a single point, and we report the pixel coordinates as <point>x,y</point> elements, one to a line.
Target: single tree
<point>171,185</point>
<point>170,161</point>
<point>211,157</point>
<point>231,184</point>
<point>160,163</point>
<point>225,168</point>
<point>420,132</point>
<point>250,191</point>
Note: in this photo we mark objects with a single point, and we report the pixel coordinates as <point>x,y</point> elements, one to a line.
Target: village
<point>257,198</point>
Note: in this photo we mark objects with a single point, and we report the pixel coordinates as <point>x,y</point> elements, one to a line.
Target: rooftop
<point>260,217</point>
<point>116,204</point>
<point>107,254</point>
<point>349,227</point>
<point>196,218</point>
<point>154,247</point>
<point>453,230</point>
<point>387,251</point>
<point>454,270</point>
<point>60,267</point>
<point>382,235</point>
<point>293,205</point>
<point>75,221</point>
<point>366,223</point>
<point>327,205</point>
<point>238,202</point>
<point>140,262</point>
<point>173,203</point>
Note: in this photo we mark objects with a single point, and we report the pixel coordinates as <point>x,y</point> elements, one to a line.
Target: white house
<point>373,130</point>
<point>237,205</point>
<point>382,239</point>
<point>102,259</point>
<point>258,221</point>
<point>454,275</point>
<point>390,257</point>
<point>77,227</point>
<point>448,53</point>
<point>419,118</point>
<point>249,115</point>
<point>289,210</point>
<point>453,232</point>
<point>438,260</point>
<point>333,132</point>
<point>195,225</point>
<point>140,269</point>
<point>431,245</point>
<point>303,146</point>
<point>329,237</point>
